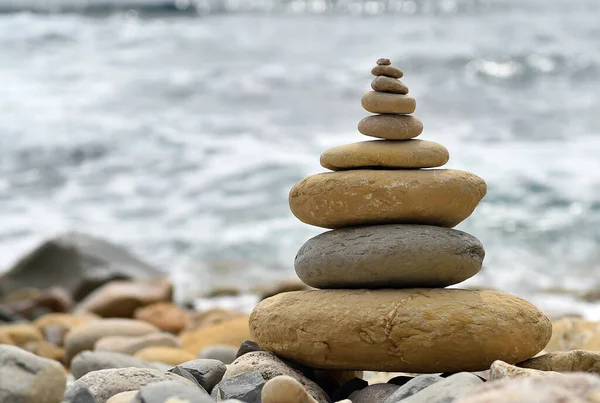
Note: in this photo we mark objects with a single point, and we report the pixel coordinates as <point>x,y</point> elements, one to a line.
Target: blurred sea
<point>177,128</point>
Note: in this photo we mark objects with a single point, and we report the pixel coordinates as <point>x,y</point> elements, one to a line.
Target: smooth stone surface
<point>120,299</point>
<point>561,388</point>
<point>441,197</point>
<point>565,361</point>
<point>89,361</point>
<point>574,333</point>
<point>206,372</point>
<point>501,370</point>
<point>123,397</point>
<point>45,349</point>
<point>389,256</point>
<point>246,387</point>
<point>58,325</point>
<point>388,154</point>
<point>387,70</point>
<point>108,382</point>
<point>391,127</point>
<point>231,332</point>
<point>285,389</point>
<point>389,84</point>
<point>26,378</point>
<point>211,317</point>
<point>383,62</point>
<point>131,345</point>
<point>385,330</point>
<point>270,366</point>
<point>78,262</point>
<point>79,394</point>
<point>445,391</point>
<point>20,334</point>
<point>374,393</point>
<point>225,354</point>
<point>167,355</point>
<point>85,336</point>
<point>164,315</point>
<point>171,392</point>
<point>383,102</point>
<point>412,387</point>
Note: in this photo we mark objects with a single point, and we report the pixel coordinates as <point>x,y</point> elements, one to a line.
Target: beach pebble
<point>211,317</point>
<point>26,378</point>
<point>501,370</point>
<point>460,328</point>
<point>120,299</point>
<point>131,345</point>
<point>247,346</point>
<point>89,361</point>
<point>80,394</point>
<point>171,392</point>
<point>246,387</point>
<point>387,70</point>
<point>207,372</point>
<point>270,366</point>
<point>444,391</point>
<point>45,349</point>
<point>55,326</point>
<point>383,102</point>
<point>108,382</point>
<point>85,336</point>
<point>20,334</point>
<point>231,332</point>
<point>565,361</point>
<point>225,354</point>
<point>123,397</point>
<point>391,127</point>
<point>412,387</point>
<point>409,154</point>
<point>389,256</point>
<point>573,333</point>
<point>164,315</point>
<point>383,62</point>
<point>373,393</point>
<point>285,389</point>
<point>388,84</point>
<point>440,197</point>
<point>167,355</point>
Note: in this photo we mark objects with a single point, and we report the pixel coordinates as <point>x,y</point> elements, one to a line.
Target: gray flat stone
<point>373,393</point>
<point>246,387</point>
<point>161,392</point>
<point>444,391</point>
<point>206,372</point>
<point>89,361</point>
<point>413,386</point>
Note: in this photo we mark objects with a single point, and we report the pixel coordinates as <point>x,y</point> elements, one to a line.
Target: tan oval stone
<point>383,102</point>
<point>391,127</point>
<point>285,389</point>
<point>20,333</point>
<point>565,361</point>
<point>389,84</point>
<point>411,330</point>
<point>387,70</point>
<point>167,355</point>
<point>441,197</point>
<point>231,332</point>
<point>383,62</point>
<point>409,154</point>
<point>164,315</point>
<point>131,345</point>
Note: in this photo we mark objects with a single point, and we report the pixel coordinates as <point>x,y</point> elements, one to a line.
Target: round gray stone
<point>389,256</point>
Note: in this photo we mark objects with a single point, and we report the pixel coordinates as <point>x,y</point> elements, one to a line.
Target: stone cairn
<point>380,274</point>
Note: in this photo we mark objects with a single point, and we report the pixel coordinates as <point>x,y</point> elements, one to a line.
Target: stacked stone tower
<point>380,272</point>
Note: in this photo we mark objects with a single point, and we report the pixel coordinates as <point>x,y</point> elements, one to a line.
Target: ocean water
<point>177,128</point>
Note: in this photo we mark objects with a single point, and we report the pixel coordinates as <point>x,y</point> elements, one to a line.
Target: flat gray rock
<point>246,387</point>
<point>161,392</point>
<point>206,372</point>
<point>27,378</point>
<point>373,393</point>
<point>389,256</point>
<point>89,361</point>
<point>444,391</point>
<point>413,386</point>
<point>108,382</point>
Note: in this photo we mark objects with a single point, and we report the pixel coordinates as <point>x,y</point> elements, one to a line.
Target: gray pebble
<point>245,387</point>
<point>160,392</point>
<point>206,372</point>
<point>89,361</point>
<point>225,354</point>
<point>443,391</point>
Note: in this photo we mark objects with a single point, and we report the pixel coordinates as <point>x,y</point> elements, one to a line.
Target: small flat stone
<point>246,387</point>
<point>225,354</point>
<point>441,197</point>
<point>565,361</point>
<point>171,391</point>
<point>285,389</point>
<point>444,391</point>
<point>383,62</point>
<point>89,361</point>
<point>373,393</point>
<point>387,154</point>
<point>166,355</point>
<point>389,84</point>
<point>501,370</point>
<point>383,102</point>
<point>387,70</point>
<point>412,387</point>
<point>389,256</point>
<point>391,127</point>
<point>460,328</point>
<point>207,372</point>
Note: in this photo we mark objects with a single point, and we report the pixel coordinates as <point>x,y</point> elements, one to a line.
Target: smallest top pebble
<point>384,62</point>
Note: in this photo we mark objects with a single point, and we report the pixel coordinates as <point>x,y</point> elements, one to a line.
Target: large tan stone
<point>442,197</point>
<point>231,332</point>
<point>409,154</point>
<point>391,127</point>
<point>85,336</point>
<point>412,330</point>
<point>565,361</point>
<point>383,102</point>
